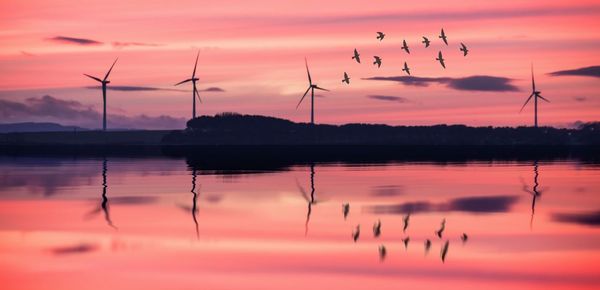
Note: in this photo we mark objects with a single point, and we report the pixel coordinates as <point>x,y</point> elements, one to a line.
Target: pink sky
<point>255,52</point>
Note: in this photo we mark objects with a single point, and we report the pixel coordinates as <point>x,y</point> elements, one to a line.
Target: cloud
<point>387,190</point>
<point>388,98</point>
<point>25,53</point>
<point>135,89</point>
<point>130,200</point>
<point>586,219</point>
<point>471,83</point>
<point>48,108</point>
<point>580,98</point>
<point>74,40</point>
<point>76,249</point>
<point>472,204</point>
<point>213,89</point>
<point>590,71</point>
<point>118,44</point>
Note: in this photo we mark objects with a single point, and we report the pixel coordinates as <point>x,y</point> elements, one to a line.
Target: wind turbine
<point>311,87</point>
<point>104,82</point>
<point>535,94</point>
<point>195,92</point>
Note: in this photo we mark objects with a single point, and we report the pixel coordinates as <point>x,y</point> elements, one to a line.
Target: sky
<point>251,61</point>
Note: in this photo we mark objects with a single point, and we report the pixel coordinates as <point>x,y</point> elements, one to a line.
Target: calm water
<point>150,223</point>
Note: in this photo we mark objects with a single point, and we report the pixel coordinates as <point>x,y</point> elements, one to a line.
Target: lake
<point>164,223</point>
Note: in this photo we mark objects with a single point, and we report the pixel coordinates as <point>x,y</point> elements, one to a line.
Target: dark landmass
<point>37,127</point>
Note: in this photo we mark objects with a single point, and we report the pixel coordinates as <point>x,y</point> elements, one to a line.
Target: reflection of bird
<point>464,238</point>
<point>346,209</point>
<point>346,78</point>
<point>377,229</point>
<point>444,251</point>
<point>377,61</point>
<point>441,59</point>
<point>425,41</point>
<point>464,49</point>
<point>443,37</point>
<point>356,56</point>
<point>441,230</point>
<point>427,246</point>
<point>405,220</point>
<point>406,68</point>
<point>382,252</point>
<point>356,233</point>
<point>380,35</point>
<point>405,46</point>
<point>405,241</point>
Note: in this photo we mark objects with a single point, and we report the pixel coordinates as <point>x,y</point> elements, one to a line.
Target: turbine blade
<point>195,65</point>
<point>94,78</point>
<point>543,98</point>
<point>526,102</point>
<point>198,95</point>
<point>111,67</point>
<point>308,72</point>
<point>179,83</point>
<point>322,89</point>
<point>532,79</point>
<point>303,97</point>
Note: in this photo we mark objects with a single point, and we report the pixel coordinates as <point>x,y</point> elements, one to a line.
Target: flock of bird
<point>378,60</point>
<point>405,221</point>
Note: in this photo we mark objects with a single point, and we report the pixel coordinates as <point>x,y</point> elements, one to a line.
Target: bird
<point>406,218</point>
<point>311,87</point>
<point>406,68</point>
<point>425,41</point>
<point>377,229</point>
<point>104,82</point>
<point>427,246</point>
<point>405,241</point>
<point>464,237</point>
<point>356,233</point>
<point>536,94</point>
<point>444,251</point>
<point>346,78</point>
<point>405,46</point>
<point>346,209</point>
<point>382,252</point>
<point>380,35</point>
<point>464,49</point>
<point>377,61</point>
<point>443,37</point>
<point>195,92</point>
<point>441,230</point>
<point>356,56</point>
<point>441,59</point>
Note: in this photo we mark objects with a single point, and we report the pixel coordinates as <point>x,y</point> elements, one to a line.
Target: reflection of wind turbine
<point>311,87</point>
<point>535,192</point>
<point>194,202</point>
<point>104,197</point>
<point>104,82</point>
<point>310,200</point>
<point>195,92</point>
<point>535,94</point>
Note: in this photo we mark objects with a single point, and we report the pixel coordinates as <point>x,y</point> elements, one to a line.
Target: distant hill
<point>236,129</point>
<point>37,127</point>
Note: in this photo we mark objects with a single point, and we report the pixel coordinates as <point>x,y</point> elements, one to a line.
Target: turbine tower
<point>311,87</point>
<point>195,92</point>
<point>535,94</point>
<point>104,82</point>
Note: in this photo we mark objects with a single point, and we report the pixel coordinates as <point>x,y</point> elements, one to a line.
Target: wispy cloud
<point>75,249</point>
<point>472,204</point>
<point>585,218</point>
<point>74,40</point>
<point>388,98</point>
<point>118,44</point>
<point>213,89</point>
<point>471,83</point>
<point>580,98</point>
<point>136,89</point>
<point>590,71</point>
<point>25,53</point>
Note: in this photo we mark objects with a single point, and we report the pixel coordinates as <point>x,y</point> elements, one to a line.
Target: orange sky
<point>255,53</point>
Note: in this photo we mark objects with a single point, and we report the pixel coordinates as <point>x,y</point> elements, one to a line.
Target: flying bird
<point>443,37</point>
<point>356,233</point>
<point>464,238</point>
<point>464,49</point>
<point>406,218</point>
<point>405,46</point>
<point>427,246</point>
<point>441,230</point>
<point>444,251</point>
<point>380,35</point>
<point>441,59</point>
<point>377,61</point>
<point>346,209</point>
<point>377,229</point>
<point>104,82</point>
<point>426,41</point>
<point>405,241</point>
<point>356,56</point>
<point>406,68</point>
<point>382,252</point>
<point>311,87</point>
<point>346,78</point>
